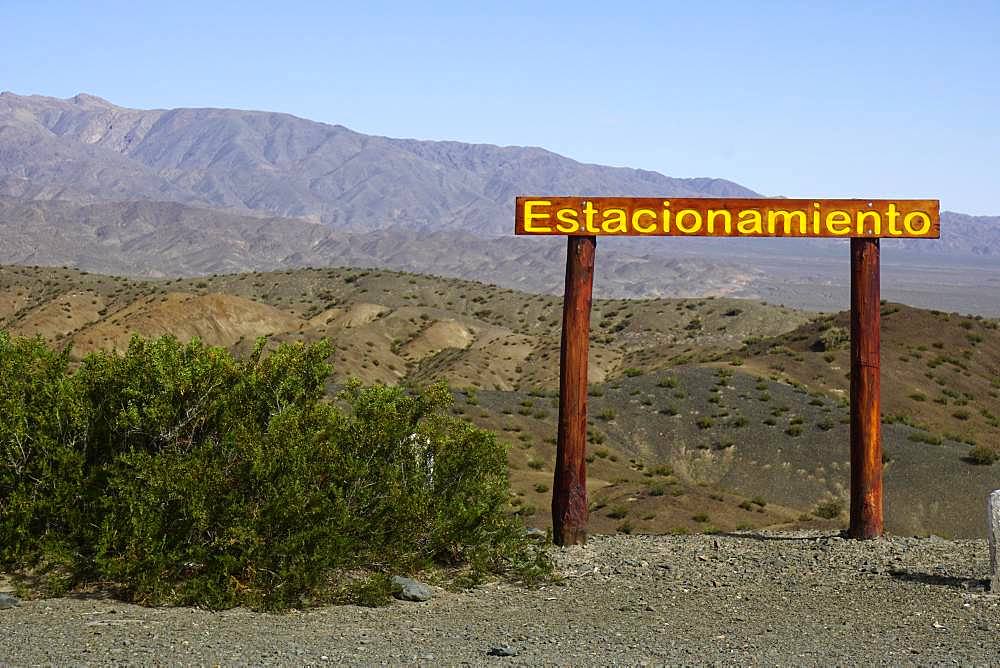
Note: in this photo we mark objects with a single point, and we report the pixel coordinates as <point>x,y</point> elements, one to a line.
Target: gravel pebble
<point>502,650</point>
<point>802,598</point>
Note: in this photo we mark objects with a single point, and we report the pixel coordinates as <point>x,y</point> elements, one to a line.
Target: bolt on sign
<point>583,219</point>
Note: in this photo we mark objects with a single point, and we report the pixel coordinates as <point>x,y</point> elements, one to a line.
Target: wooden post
<point>569,489</point>
<point>866,422</point>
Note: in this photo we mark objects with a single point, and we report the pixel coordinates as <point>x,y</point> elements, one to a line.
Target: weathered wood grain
<point>569,489</point>
<point>866,422</point>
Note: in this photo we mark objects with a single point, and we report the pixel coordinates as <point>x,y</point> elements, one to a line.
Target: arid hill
<point>706,414</point>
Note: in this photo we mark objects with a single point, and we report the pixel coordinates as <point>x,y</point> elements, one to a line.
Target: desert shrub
<point>618,512</point>
<point>983,456</point>
<point>832,338</point>
<point>924,437</point>
<point>829,510</point>
<point>187,476</point>
<point>526,510</point>
<point>608,414</point>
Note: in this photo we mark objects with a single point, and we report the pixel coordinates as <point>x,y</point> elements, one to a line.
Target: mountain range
<point>86,149</point>
<point>89,184</point>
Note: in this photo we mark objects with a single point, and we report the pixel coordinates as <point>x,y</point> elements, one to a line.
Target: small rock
<point>534,533</point>
<point>7,601</point>
<point>408,589</point>
<point>502,650</point>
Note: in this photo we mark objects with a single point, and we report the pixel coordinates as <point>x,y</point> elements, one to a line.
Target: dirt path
<point>804,599</point>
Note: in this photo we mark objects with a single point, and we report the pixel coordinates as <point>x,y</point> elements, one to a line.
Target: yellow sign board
<point>727,217</point>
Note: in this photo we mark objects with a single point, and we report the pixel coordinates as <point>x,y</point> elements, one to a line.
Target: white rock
<point>993,515</point>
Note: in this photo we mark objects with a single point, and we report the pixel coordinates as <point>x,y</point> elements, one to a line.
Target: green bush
<point>829,510</point>
<point>832,338</point>
<point>186,476</point>
<point>983,456</point>
<point>618,512</point>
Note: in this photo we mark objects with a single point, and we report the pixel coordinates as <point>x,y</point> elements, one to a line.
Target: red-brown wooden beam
<point>569,489</point>
<point>866,423</point>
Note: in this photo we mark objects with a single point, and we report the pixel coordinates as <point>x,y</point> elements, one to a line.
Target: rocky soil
<point>803,598</point>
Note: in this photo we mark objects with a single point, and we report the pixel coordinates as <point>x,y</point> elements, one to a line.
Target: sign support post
<point>866,418</point>
<point>569,489</point>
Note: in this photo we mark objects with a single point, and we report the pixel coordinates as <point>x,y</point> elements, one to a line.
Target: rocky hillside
<point>706,414</point>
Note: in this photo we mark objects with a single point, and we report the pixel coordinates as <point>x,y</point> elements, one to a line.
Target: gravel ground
<point>802,599</point>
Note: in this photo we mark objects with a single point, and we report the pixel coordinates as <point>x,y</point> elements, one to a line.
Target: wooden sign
<point>727,217</point>
<point>583,219</point>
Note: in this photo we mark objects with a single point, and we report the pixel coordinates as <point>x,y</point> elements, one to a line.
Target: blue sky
<point>809,99</point>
